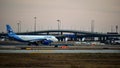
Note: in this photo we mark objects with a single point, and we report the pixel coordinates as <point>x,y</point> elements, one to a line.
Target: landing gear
<point>29,44</point>
<point>56,46</point>
<point>34,43</point>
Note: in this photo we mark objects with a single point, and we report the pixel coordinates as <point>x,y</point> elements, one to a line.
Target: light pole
<point>111,28</point>
<point>92,26</point>
<point>116,28</point>
<point>59,24</point>
<point>18,26</point>
<point>35,24</point>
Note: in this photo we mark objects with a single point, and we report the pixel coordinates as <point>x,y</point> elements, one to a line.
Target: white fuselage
<point>35,37</point>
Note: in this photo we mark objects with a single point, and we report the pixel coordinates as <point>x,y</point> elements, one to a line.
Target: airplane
<point>31,39</point>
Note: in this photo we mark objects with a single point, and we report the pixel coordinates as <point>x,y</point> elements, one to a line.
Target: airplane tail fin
<point>9,30</point>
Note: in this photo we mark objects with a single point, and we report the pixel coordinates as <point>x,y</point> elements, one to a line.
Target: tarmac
<point>52,47</point>
<point>62,48</point>
<point>59,49</point>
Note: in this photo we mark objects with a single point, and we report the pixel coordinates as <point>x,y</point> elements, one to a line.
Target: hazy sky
<point>74,14</point>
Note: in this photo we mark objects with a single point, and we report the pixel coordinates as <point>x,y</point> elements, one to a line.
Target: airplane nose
<point>56,40</point>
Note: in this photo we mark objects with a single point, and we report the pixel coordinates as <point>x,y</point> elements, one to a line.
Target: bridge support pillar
<point>47,33</point>
<point>61,33</point>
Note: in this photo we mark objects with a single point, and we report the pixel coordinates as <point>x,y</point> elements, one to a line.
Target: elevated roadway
<point>61,32</point>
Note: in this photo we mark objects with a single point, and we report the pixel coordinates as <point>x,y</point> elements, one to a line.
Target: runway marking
<point>42,51</point>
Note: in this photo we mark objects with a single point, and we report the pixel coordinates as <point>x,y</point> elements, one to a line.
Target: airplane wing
<point>40,41</point>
